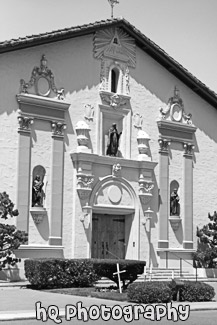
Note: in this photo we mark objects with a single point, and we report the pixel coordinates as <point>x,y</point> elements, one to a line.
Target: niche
<point>174,199</point>
<point>107,125</point>
<point>38,194</point>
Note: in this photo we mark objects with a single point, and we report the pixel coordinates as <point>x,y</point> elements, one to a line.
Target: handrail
<point>186,262</point>
<point>182,258</point>
<point>112,254</point>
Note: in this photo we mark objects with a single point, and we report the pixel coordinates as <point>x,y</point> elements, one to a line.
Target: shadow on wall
<point>160,85</point>
<point>71,62</point>
<point>43,228</point>
<point>154,260</point>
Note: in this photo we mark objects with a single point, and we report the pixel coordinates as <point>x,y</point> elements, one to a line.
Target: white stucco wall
<point>76,70</point>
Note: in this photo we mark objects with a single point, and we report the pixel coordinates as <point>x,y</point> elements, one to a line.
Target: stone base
<point>207,273</point>
<point>17,273</point>
<point>175,258</point>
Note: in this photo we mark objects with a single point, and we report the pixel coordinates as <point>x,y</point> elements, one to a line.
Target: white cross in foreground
<point>119,279</point>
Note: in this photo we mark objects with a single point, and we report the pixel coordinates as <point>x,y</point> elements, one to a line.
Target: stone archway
<point>115,219</point>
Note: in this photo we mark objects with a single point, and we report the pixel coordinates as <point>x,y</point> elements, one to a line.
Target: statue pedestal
<point>38,213</point>
<point>175,222</point>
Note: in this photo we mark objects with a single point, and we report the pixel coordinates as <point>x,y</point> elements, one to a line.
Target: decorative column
<point>57,183</point>
<point>143,146</point>
<point>163,241</point>
<point>188,196</point>
<point>24,161</point>
<point>82,131</point>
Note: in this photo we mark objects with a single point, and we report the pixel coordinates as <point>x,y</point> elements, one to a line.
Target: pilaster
<point>188,196</point>
<point>163,241</point>
<point>57,164</point>
<point>24,162</point>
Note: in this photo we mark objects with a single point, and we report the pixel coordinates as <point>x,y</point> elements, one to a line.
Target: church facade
<point>107,144</point>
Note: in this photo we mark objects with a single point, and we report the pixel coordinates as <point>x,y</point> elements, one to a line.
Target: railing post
<point>166,260</point>
<point>196,273</point>
<point>180,266</point>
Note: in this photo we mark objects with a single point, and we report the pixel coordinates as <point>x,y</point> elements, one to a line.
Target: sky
<point>185,29</point>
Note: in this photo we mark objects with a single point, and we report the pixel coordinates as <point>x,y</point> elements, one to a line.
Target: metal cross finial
<point>112,3</point>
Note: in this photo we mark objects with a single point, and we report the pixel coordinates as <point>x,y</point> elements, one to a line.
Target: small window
<point>114,80</point>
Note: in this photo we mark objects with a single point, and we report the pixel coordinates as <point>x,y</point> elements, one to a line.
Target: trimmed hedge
<point>106,268</point>
<point>150,292</point>
<point>196,291</point>
<point>60,273</point>
<point>65,273</point>
<point>159,291</point>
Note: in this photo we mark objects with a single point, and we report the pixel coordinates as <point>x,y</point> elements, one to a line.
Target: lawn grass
<point>111,294</point>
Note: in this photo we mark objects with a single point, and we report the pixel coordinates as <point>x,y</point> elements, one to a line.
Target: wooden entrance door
<point>108,236</point>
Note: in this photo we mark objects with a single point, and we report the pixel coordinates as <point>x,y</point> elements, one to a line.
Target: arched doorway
<point>115,220</point>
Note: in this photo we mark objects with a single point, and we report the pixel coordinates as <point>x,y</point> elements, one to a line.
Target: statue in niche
<point>37,192</point>
<point>174,203</point>
<point>113,141</point>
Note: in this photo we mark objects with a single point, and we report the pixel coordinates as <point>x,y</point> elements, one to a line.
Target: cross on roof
<point>112,3</point>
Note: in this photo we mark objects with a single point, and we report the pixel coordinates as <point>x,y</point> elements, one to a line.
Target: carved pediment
<point>175,110</point>
<point>42,79</point>
<point>116,101</point>
<point>114,43</point>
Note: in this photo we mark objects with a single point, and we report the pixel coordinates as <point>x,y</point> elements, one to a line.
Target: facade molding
<point>175,131</point>
<point>107,160</point>
<point>42,108</point>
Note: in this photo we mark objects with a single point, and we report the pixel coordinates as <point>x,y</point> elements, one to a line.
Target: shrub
<point>107,268</point>
<point>206,258</point>
<point>150,292</point>
<point>10,237</point>
<point>196,291</point>
<point>60,273</point>
<point>207,239</point>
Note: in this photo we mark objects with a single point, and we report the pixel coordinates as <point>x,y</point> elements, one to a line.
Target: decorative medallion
<point>138,120</point>
<point>116,44</point>
<point>114,194</point>
<point>114,100</point>
<point>116,170</point>
<point>89,112</point>
<point>175,110</point>
<point>43,80</point>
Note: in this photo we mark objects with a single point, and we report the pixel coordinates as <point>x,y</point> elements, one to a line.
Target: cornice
<point>175,131</point>
<point>42,107</point>
<point>110,161</point>
<point>45,102</point>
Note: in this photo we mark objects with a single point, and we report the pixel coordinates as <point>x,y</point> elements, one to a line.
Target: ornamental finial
<point>112,3</point>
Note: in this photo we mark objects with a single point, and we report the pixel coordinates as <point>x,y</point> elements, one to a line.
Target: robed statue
<point>37,192</point>
<point>174,203</point>
<point>113,141</point>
